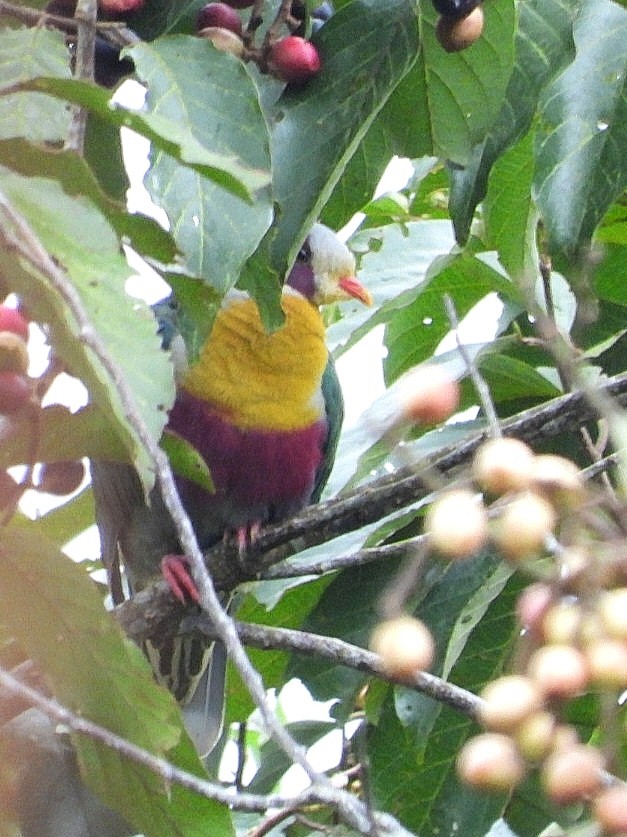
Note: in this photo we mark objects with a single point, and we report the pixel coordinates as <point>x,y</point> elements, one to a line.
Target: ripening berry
<point>12,320</point>
<point>572,774</point>
<point>13,352</point>
<point>523,526</point>
<point>532,604</point>
<point>612,611</point>
<point>457,524</point>
<point>503,465</point>
<point>562,622</point>
<point>610,809</point>
<point>15,392</point>
<point>221,15</point>
<point>607,662</point>
<point>293,59</point>
<point>560,671</point>
<point>457,34</point>
<point>428,394</point>
<point>491,761</point>
<point>558,479</point>
<point>507,701</point>
<point>404,644</point>
<point>61,477</point>
<point>534,735</point>
<point>223,39</point>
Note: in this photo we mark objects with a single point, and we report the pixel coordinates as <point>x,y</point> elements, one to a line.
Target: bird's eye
<point>304,254</point>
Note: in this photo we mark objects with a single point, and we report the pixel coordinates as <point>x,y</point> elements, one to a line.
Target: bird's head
<point>324,271</point>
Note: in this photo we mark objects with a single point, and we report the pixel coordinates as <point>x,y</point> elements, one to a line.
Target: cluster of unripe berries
<point>292,58</point>
<point>460,23</point>
<point>574,624</point>
<point>19,401</point>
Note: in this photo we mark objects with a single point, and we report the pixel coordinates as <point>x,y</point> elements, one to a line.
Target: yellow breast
<point>261,380</point>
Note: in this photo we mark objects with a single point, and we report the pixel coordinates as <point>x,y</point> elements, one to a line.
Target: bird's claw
<point>175,569</point>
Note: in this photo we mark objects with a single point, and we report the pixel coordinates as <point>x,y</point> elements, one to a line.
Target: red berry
<point>12,320</point>
<point>61,477</point>
<point>120,7</point>
<point>15,392</point>
<point>294,59</point>
<point>221,15</point>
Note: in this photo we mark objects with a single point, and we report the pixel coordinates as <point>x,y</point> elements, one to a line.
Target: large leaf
<point>544,46</point>
<point>416,741</point>
<point>510,213</point>
<point>366,48</point>
<point>98,272</point>
<point>76,178</point>
<point>24,55</point>
<point>211,96</point>
<point>171,136</point>
<point>54,611</point>
<point>416,330</point>
<point>582,134</point>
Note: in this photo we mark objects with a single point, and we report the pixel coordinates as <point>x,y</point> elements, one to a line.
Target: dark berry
<point>15,392</point>
<point>294,59</point>
<point>109,68</point>
<point>241,4</point>
<point>455,8</point>
<point>220,15</point>
<point>61,477</point>
<point>324,11</point>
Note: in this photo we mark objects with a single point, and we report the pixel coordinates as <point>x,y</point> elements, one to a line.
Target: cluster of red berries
<point>292,59</point>
<point>19,400</point>
<point>460,23</point>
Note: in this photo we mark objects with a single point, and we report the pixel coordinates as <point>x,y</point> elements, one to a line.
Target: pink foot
<point>175,569</point>
<point>246,536</point>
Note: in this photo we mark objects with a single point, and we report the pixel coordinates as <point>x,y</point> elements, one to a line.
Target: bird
<point>263,409</point>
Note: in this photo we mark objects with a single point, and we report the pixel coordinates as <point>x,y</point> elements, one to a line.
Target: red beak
<point>353,288</point>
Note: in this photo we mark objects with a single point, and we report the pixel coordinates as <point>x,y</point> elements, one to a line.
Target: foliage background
<point>519,151</point>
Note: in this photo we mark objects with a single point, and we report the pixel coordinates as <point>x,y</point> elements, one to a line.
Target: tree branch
<point>338,651</point>
<point>154,612</point>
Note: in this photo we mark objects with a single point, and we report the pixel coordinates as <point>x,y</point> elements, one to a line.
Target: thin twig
<point>20,238</point>
<point>159,766</point>
<point>352,656</point>
<point>85,16</point>
<point>483,391</point>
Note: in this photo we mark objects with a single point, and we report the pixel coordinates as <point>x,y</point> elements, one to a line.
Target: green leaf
<point>453,98</point>
<point>211,97</point>
<point>63,435</point>
<point>544,46</point>
<point>168,135</point>
<point>98,272</point>
<point>144,234</point>
<point>510,214</point>
<point>275,763</point>
<point>393,260</point>
<point>54,611</point>
<point>24,55</point>
<point>417,740</point>
<point>366,48</point>
<point>416,330</point>
<point>582,134</point>
<point>186,461</point>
